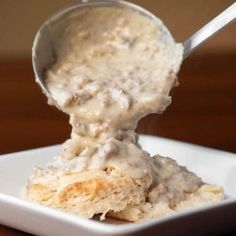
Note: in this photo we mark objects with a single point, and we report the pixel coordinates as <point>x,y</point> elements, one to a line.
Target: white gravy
<point>113,67</point>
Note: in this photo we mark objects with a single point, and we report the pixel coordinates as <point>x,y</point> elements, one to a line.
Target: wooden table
<point>203,110</point>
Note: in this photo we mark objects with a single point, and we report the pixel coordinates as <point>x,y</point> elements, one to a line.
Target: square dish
<point>213,166</point>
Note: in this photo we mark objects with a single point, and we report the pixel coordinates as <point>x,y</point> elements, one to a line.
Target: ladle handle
<point>218,23</point>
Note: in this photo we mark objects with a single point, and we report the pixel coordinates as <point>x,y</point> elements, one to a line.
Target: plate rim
<point>143,136</point>
<point>100,227</point>
<point>96,226</point>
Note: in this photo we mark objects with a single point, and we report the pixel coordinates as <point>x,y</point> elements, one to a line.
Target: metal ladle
<point>43,51</point>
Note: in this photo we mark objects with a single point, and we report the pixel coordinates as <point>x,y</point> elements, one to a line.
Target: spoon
<point>43,51</point>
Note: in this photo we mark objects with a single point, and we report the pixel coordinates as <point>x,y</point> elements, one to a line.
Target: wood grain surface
<point>203,110</point>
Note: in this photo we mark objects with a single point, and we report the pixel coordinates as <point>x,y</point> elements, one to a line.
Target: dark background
<point>203,110</point>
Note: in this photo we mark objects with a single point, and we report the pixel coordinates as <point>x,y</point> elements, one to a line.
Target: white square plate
<point>213,166</point>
